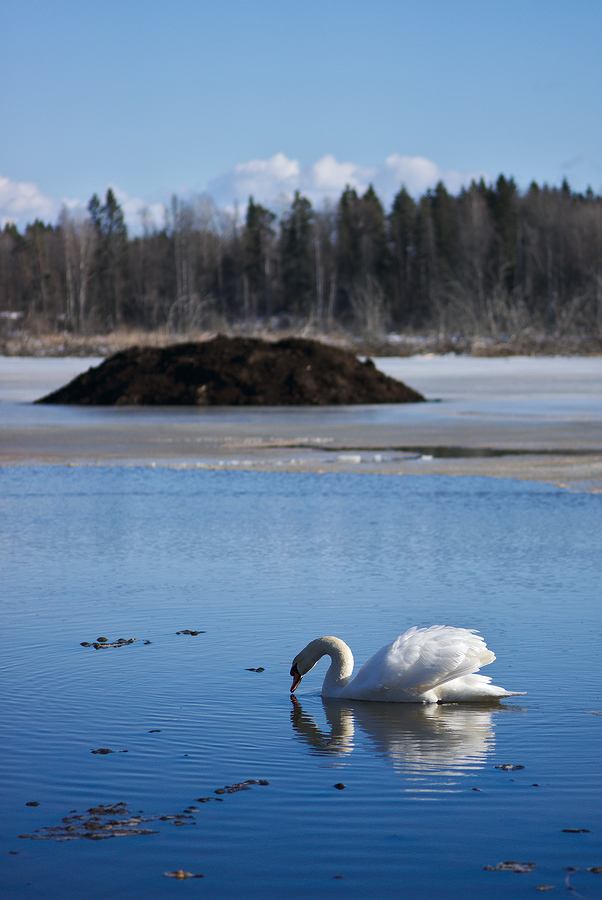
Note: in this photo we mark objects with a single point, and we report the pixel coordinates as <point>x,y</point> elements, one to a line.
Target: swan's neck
<point>341,667</point>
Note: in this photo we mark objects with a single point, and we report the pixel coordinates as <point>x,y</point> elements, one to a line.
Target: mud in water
<point>234,372</point>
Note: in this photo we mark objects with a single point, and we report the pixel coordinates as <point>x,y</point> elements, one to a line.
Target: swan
<point>423,665</point>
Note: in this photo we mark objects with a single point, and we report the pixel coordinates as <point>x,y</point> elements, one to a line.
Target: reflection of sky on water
<point>260,564</point>
<point>419,739</point>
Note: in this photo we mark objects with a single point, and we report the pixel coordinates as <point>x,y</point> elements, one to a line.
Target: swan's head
<point>295,676</point>
<point>306,660</point>
<point>309,656</point>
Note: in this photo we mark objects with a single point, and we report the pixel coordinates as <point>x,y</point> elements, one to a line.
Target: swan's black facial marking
<point>296,677</point>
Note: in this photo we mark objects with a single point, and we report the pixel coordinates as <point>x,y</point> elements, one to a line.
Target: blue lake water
<point>259,564</point>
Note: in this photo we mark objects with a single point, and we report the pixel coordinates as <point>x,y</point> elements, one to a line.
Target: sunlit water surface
<point>260,564</point>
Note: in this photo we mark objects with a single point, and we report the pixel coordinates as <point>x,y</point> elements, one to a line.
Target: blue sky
<point>263,97</point>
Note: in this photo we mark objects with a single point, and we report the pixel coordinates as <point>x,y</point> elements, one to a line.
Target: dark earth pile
<point>234,371</point>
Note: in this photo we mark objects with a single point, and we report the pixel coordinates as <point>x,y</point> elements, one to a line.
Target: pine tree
<point>257,241</point>
<point>361,241</point>
<point>442,211</point>
<point>349,238</point>
<point>110,269</point>
<point>297,262</point>
<point>402,234</point>
<point>374,236</point>
<point>502,201</point>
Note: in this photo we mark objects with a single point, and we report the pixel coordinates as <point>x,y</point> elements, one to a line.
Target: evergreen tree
<point>297,263</point>
<point>111,258</point>
<point>361,243</point>
<point>94,210</point>
<point>502,201</point>
<point>257,241</point>
<point>442,206</point>
<point>374,235</point>
<point>402,235</point>
<point>426,282</point>
<point>349,238</point>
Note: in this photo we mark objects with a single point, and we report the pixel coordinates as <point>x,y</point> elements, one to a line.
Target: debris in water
<point>511,866</point>
<point>101,643</point>
<point>508,768</point>
<point>100,822</point>
<point>240,786</point>
<point>180,873</point>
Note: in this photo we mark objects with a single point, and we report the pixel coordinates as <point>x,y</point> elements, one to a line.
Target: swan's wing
<point>422,659</point>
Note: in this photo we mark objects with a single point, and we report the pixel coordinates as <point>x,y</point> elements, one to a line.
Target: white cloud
<point>270,179</point>
<point>416,172</point>
<point>22,202</point>
<point>330,175</point>
<point>260,178</point>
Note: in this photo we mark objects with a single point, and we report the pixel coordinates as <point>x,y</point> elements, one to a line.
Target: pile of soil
<point>234,371</point>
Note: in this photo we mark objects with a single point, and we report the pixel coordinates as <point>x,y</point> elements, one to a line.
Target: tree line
<point>489,261</point>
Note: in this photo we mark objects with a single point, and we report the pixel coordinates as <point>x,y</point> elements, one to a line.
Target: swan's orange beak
<point>296,678</point>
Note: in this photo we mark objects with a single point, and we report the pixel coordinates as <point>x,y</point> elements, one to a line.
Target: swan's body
<point>423,665</point>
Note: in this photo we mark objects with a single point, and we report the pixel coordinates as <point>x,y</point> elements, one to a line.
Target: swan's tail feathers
<point>473,687</point>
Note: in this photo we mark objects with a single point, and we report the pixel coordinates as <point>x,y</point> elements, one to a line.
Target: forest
<point>491,261</point>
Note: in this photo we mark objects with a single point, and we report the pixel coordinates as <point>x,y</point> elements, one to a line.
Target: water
<point>259,564</point>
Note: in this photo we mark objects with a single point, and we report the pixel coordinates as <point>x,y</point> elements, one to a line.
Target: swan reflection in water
<point>417,738</point>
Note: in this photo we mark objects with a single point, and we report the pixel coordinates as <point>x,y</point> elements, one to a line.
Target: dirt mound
<point>234,372</point>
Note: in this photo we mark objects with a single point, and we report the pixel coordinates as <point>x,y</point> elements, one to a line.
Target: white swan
<point>424,665</point>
